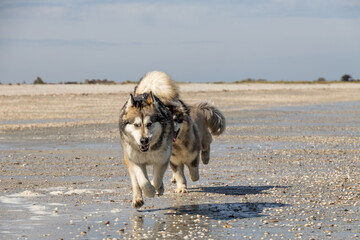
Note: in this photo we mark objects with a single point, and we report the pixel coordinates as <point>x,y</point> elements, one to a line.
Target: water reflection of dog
<point>194,220</point>
<point>169,225</point>
<point>137,222</point>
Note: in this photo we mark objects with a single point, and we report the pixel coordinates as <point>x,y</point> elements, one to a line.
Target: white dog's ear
<point>130,102</point>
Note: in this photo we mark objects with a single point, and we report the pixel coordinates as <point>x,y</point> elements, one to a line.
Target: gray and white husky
<point>150,121</point>
<point>146,133</point>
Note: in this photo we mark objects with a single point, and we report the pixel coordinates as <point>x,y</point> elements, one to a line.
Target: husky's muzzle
<point>176,134</point>
<point>144,147</point>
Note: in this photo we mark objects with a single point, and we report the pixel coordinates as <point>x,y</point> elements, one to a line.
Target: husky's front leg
<point>137,196</point>
<point>143,180</point>
<point>194,169</point>
<point>157,182</point>
<point>179,177</point>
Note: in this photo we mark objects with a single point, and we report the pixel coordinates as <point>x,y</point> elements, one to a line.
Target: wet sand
<point>287,167</point>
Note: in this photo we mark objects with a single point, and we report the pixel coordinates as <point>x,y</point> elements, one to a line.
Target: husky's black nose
<point>144,140</point>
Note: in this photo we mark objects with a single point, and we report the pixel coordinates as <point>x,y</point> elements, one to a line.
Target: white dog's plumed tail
<point>160,84</point>
<point>214,118</point>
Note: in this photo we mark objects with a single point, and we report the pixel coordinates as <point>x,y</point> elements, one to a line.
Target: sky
<point>193,41</point>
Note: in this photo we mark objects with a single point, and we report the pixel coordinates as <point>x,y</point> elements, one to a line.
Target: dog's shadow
<point>225,211</point>
<point>234,190</point>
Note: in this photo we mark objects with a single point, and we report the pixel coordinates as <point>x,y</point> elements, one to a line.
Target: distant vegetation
<point>98,81</point>
<point>92,81</point>
<point>250,80</point>
<point>344,78</point>
<point>347,78</point>
<point>129,82</point>
<point>38,80</point>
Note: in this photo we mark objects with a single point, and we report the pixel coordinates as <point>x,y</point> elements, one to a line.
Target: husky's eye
<point>179,120</point>
<point>149,124</point>
<point>136,125</point>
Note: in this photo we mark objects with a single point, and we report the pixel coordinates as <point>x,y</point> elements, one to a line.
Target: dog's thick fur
<point>194,125</point>
<point>146,133</point>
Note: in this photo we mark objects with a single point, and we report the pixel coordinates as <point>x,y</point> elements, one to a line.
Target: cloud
<point>30,10</point>
<point>160,10</point>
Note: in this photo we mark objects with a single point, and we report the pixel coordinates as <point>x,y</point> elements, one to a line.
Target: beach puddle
<point>62,213</point>
<point>59,213</point>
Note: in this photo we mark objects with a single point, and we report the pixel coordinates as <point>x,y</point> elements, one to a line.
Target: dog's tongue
<point>144,148</point>
<point>176,134</point>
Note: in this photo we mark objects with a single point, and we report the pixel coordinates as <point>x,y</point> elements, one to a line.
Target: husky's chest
<point>160,156</point>
<point>182,154</point>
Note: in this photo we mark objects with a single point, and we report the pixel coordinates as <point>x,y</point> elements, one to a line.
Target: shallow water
<point>44,217</point>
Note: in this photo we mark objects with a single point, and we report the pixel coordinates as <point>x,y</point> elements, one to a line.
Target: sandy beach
<point>287,167</point>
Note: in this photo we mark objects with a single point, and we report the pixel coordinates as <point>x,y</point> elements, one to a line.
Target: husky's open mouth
<point>144,148</point>
<point>176,135</point>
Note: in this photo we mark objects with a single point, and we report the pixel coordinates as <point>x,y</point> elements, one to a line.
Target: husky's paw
<point>137,202</point>
<point>160,191</point>
<point>173,179</point>
<point>194,174</point>
<point>195,177</point>
<point>205,157</point>
<point>181,189</point>
<point>205,161</point>
<point>148,190</point>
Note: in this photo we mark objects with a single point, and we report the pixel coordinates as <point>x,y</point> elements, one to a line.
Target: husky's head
<point>142,120</point>
<point>180,113</point>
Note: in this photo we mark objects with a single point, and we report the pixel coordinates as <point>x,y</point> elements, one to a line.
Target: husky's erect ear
<point>184,108</point>
<point>150,99</point>
<point>179,106</point>
<point>131,99</point>
<point>130,102</point>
